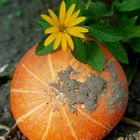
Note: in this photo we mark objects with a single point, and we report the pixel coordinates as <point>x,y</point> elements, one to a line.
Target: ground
<point>19,32</point>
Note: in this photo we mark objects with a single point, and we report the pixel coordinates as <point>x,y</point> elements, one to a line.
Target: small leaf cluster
<point>115,23</point>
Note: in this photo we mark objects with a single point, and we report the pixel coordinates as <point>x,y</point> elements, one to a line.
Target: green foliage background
<point>115,23</point>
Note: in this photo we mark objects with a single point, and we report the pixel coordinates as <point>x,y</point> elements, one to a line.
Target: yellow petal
<point>62,12</point>
<point>76,21</point>
<point>69,13</point>
<point>51,30</point>
<point>49,39</point>
<point>57,40</point>
<point>79,29</point>
<point>73,32</point>
<point>73,17</point>
<point>64,42</point>
<point>48,19</point>
<point>70,42</point>
<point>54,17</point>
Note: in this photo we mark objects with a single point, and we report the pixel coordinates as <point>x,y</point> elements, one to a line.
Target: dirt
<point>19,32</point>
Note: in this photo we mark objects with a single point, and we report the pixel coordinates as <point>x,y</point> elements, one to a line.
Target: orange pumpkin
<point>56,97</point>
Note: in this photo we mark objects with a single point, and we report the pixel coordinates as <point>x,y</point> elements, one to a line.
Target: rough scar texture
<point>83,93</point>
<point>118,92</point>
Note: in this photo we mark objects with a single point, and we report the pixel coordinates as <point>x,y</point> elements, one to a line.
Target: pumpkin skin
<point>39,120</point>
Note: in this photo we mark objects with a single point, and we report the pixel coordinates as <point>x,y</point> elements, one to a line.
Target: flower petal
<point>73,17</point>
<point>79,29</point>
<point>54,17</point>
<point>64,42</point>
<point>48,19</point>
<point>70,41</point>
<point>76,21</point>
<point>49,39</point>
<point>76,33</point>
<point>51,30</point>
<point>69,13</point>
<point>62,12</point>
<point>57,40</point>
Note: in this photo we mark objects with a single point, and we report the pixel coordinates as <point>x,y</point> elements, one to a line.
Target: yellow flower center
<point>62,28</point>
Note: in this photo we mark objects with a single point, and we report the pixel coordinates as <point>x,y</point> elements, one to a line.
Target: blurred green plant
<point>116,23</point>
<point>4,2</point>
<point>18,13</point>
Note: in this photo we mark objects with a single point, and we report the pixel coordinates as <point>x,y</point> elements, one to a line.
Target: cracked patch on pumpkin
<point>118,94</point>
<point>84,93</point>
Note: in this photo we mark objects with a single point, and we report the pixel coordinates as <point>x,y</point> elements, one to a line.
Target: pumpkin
<point>56,97</point>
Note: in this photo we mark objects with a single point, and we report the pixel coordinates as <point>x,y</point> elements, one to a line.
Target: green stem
<point>88,4</point>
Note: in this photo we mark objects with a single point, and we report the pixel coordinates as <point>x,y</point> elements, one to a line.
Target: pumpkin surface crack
<point>86,94</point>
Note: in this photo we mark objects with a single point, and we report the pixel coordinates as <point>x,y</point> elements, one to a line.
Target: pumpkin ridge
<point>24,91</point>
<point>72,61</point>
<point>35,101</point>
<point>51,67</point>
<point>93,120</point>
<point>24,116</point>
<point>44,137</point>
<point>69,124</point>
<point>29,71</point>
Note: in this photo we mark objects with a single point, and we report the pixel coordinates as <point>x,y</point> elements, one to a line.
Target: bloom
<point>63,28</point>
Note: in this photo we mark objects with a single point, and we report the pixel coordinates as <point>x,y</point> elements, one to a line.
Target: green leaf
<point>42,50</point>
<point>128,22</point>
<point>105,33</point>
<point>118,51</point>
<point>131,32</point>
<point>135,45</point>
<point>4,2</point>
<point>43,24</point>
<point>128,28</point>
<point>99,9</point>
<point>95,57</point>
<point>78,3</point>
<point>130,72</point>
<point>90,53</point>
<point>128,5</point>
<point>79,52</point>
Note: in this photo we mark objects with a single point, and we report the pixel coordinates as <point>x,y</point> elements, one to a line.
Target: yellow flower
<point>64,27</point>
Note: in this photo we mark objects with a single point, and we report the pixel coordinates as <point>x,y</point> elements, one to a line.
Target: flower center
<point>62,28</point>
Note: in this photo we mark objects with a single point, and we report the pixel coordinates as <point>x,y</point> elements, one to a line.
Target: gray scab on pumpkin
<point>118,93</point>
<point>84,93</point>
